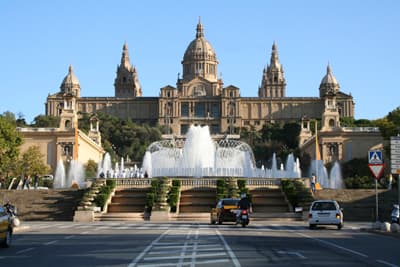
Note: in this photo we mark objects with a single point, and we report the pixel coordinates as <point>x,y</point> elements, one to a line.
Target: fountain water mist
<point>335,176</point>
<point>75,174</point>
<point>201,156</point>
<point>334,180</point>
<point>59,178</point>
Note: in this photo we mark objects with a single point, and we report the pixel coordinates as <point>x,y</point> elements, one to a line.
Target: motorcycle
<point>395,214</point>
<point>12,212</point>
<point>243,218</point>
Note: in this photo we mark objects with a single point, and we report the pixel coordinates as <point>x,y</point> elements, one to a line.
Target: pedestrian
<point>27,180</point>
<point>313,181</point>
<point>36,181</point>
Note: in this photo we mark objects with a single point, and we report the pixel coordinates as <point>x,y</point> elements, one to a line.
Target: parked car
<point>6,227</point>
<point>225,211</point>
<point>47,177</point>
<point>325,212</point>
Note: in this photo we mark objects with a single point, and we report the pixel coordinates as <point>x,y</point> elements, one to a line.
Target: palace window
<point>199,110</point>
<point>185,109</point>
<point>184,128</point>
<point>215,110</point>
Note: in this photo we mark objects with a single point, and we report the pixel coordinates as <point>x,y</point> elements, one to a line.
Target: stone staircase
<point>196,204</point>
<point>126,205</point>
<point>359,204</point>
<point>44,205</point>
<point>270,204</point>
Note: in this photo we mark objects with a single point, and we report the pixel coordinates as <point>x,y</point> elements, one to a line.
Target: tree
<point>46,121</point>
<point>91,168</point>
<point>32,162</point>
<point>10,141</point>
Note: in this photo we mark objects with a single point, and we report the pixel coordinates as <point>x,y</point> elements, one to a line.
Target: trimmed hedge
<point>104,193</point>
<point>151,197</point>
<point>173,195</point>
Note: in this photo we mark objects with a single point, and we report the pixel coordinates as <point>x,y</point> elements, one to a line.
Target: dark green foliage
<point>221,189</point>
<point>151,197</point>
<point>356,168</point>
<point>361,182</point>
<point>296,193</point>
<point>173,195</point>
<point>90,169</point>
<point>111,183</point>
<point>105,191</point>
<point>241,183</point>
<point>281,139</point>
<point>122,136</point>
<point>46,121</point>
<point>231,188</point>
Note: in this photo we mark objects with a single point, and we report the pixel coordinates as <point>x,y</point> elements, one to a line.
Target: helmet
<point>242,195</point>
<point>396,206</point>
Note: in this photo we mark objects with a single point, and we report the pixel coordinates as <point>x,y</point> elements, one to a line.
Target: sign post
<point>395,160</point>
<point>376,166</point>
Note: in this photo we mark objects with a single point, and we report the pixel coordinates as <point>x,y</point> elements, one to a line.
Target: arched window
<point>68,124</point>
<point>331,123</point>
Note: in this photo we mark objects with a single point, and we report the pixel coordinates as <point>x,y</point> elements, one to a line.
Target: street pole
<point>376,199</point>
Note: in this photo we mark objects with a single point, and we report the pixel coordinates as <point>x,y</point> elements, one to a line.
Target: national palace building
<point>201,98</point>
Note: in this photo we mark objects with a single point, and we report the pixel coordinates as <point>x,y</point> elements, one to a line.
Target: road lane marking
<point>69,237</point>
<point>229,250</point>
<point>298,254</point>
<point>24,250</point>
<point>182,257</point>
<point>141,255</point>
<point>51,242</point>
<point>334,245</point>
<point>85,233</point>
<point>387,263</point>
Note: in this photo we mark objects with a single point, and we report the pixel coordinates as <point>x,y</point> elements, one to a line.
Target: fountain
<point>75,175</point>
<point>333,181</point>
<point>59,178</point>
<point>201,156</point>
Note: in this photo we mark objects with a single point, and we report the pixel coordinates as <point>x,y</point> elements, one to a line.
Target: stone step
<point>186,209</point>
<point>112,208</point>
<point>128,200</point>
<point>272,209</point>
<point>120,216</point>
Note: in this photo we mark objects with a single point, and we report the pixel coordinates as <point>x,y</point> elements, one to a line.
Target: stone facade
<point>201,98</point>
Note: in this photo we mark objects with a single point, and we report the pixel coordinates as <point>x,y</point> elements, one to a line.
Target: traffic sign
<point>395,154</point>
<point>376,170</point>
<point>375,157</point>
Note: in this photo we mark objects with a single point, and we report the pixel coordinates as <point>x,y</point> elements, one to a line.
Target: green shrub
<point>173,195</point>
<point>363,182</point>
<point>100,199</point>
<point>104,193</point>
<point>150,198</point>
<point>296,192</point>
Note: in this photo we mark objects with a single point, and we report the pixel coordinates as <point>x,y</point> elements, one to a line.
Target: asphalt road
<point>197,244</point>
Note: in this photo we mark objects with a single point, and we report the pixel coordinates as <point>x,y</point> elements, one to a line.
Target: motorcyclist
<point>395,213</point>
<point>244,204</point>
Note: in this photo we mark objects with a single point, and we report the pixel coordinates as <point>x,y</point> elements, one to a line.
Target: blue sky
<point>360,39</point>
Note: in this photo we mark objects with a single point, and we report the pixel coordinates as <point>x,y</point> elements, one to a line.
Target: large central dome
<point>200,58</point>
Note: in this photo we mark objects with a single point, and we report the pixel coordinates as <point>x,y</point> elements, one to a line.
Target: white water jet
<point>59,178</point>
<point>75,174</point>
<point>201,156</point>
<point>333,180</point>
<point>335,177</point>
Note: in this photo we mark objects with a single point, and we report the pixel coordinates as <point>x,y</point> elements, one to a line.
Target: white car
<point>325,212</point>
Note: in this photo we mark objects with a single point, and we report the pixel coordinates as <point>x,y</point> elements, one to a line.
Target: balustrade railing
<point>188,183</point>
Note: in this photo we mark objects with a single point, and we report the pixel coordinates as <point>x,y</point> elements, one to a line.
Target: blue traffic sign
<point>375,157</point>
